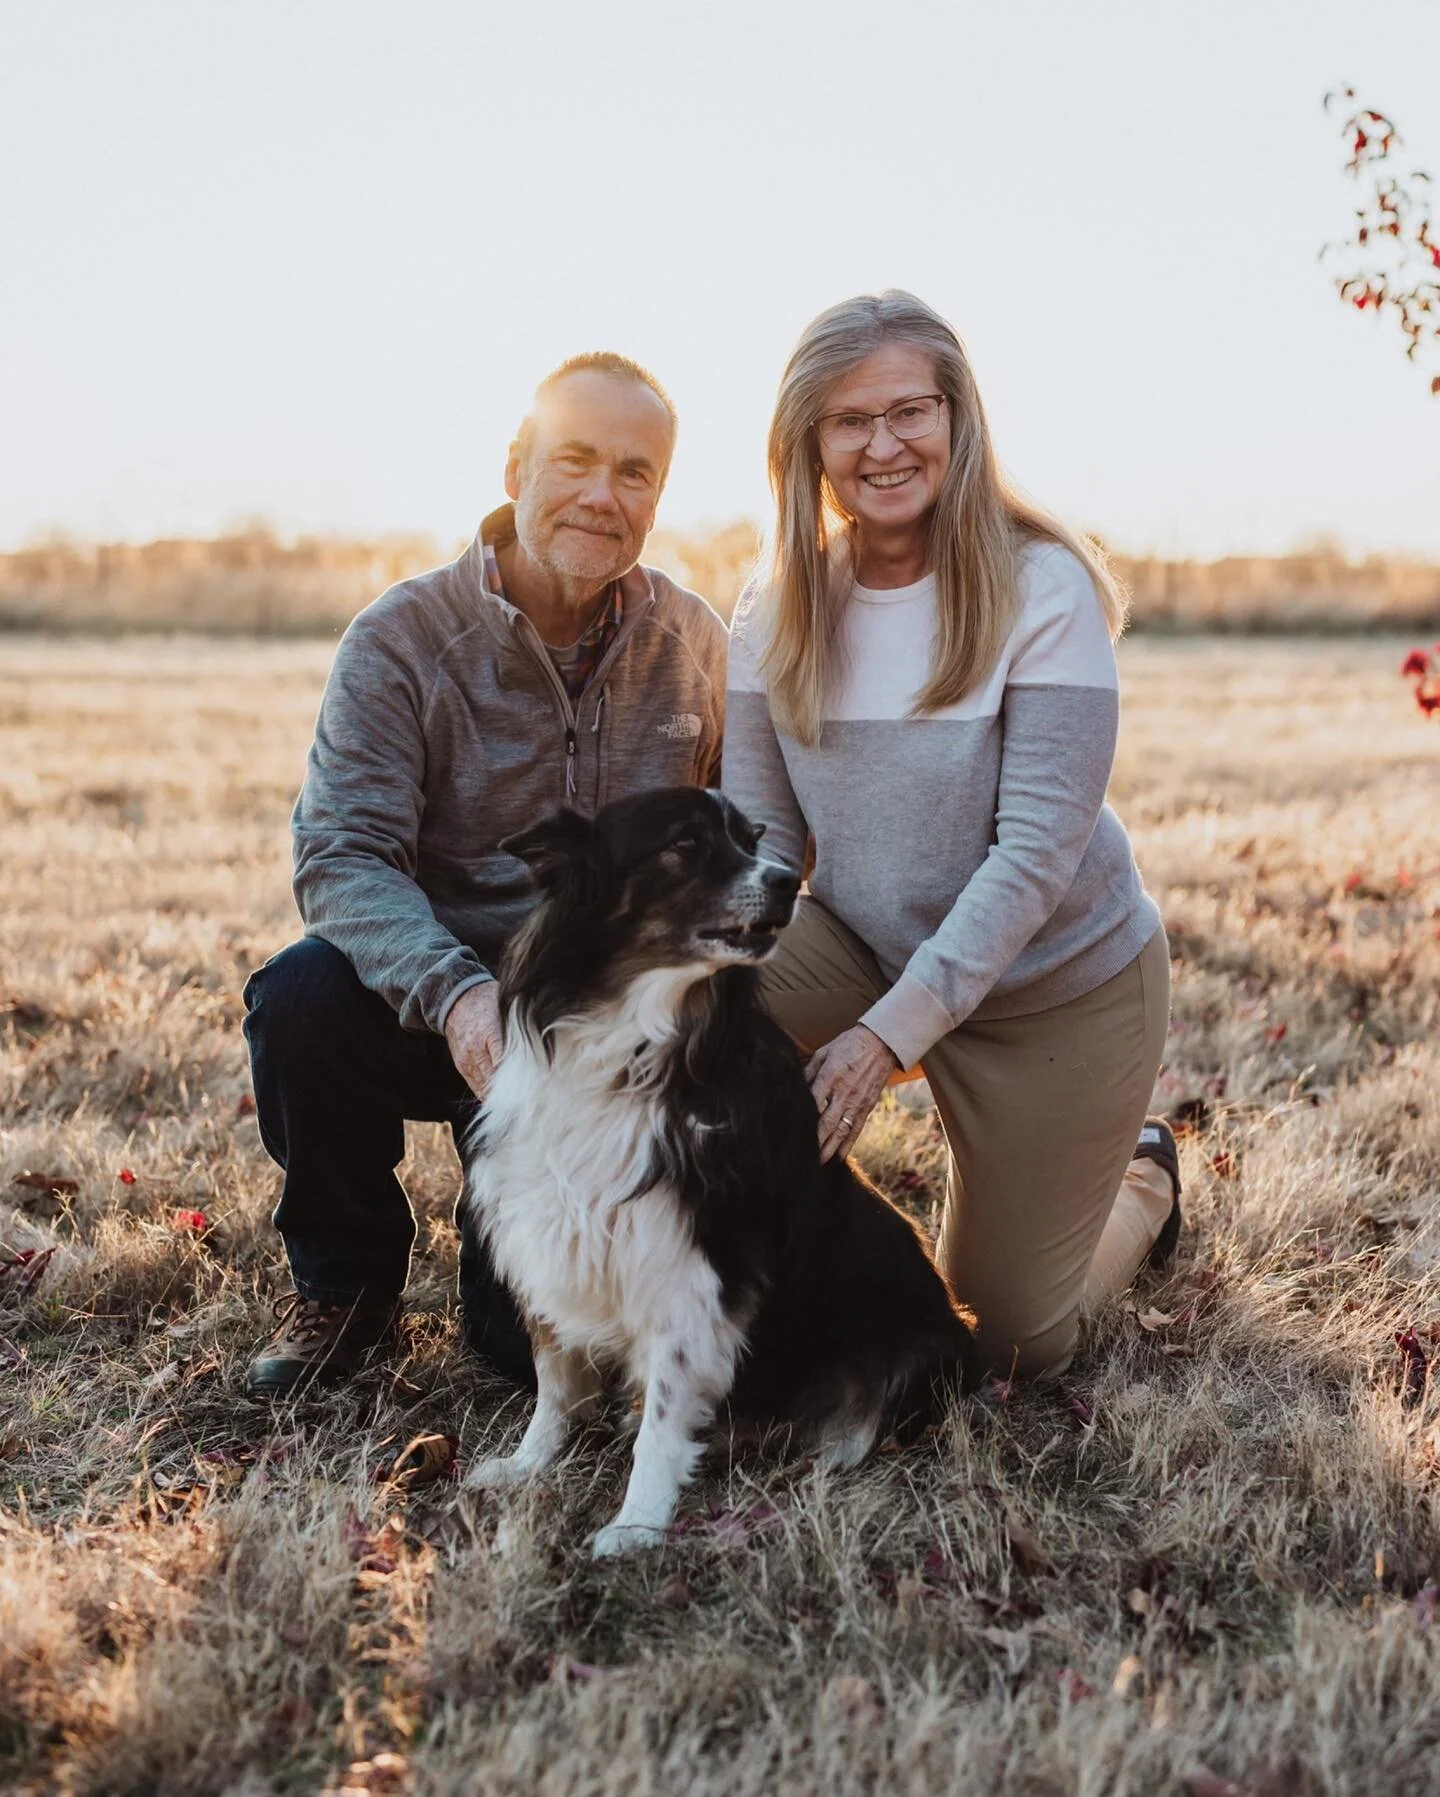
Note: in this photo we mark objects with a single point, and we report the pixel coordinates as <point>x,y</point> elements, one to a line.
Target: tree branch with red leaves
<point>1391,259</point>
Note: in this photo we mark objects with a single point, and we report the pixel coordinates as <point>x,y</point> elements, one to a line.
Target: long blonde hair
<point>979,527</point>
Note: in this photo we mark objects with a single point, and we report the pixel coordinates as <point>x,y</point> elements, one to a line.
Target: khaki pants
<point>1046,1216</point>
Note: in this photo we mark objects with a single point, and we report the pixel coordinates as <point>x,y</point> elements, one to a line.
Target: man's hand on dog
<point>847,1077</point>
<point>472,1028</point>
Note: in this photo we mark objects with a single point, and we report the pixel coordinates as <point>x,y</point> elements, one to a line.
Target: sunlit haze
<point>306,262</point>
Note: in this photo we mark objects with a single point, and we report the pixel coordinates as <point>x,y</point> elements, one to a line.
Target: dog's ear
<point>554,847</point>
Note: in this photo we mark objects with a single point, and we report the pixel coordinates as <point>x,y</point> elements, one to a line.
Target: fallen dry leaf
<point>53,1185</point>
<point>372,1550</point>
<point>1025,1550</point>
<point>1152,1319</point>
<point>23,1011</point>
<point>1264,1781</point>
<point>674,1594</point>
<point>911,1589</point>
<point>1190,1116</point>
<point>572,1672</point>
<point>849,1698</point>
<point>1139,1602</point>
<point>1204,1783</point>
<point>1127,1675</point>
<point>421,1461</point>
<point>1414,1368</point>
<point>384,1773</point>
<point>23,1272</point>
<point>937,1568</point>
<point>728,1525</point>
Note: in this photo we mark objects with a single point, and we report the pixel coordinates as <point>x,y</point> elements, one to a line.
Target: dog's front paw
<point>624,1538</point>
<point>497,1473</point>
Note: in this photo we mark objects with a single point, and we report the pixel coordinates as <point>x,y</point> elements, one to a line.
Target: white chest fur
<point>564,1190</point>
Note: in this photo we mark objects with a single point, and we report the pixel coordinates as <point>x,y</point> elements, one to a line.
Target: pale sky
<point>306,260</point>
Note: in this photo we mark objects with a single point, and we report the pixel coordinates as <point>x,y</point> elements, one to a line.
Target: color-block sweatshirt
<point>970,848</point>
<point>444,728</point>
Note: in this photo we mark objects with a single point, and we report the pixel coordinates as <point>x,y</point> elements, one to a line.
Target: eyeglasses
<point>907,419</point>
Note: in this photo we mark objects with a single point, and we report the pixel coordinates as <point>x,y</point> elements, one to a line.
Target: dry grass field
<point>1212,1554</point>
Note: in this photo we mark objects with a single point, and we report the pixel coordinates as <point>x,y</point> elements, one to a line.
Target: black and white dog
<point>646,1171</point>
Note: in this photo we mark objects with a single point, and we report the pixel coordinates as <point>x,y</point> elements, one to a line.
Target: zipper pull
<point>569,760</point>
<point>599,707</point>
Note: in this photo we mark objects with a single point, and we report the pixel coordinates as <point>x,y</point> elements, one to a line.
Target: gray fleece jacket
<point>444,728</point>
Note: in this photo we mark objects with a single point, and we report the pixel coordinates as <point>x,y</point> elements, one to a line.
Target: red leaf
<point>126,1177</point>
<point>938,1567</point>
<point>192,1220</point>
<point>245,1105</point>
<point>1072,1687</point>
<point>1417,663</point>
<point>1277,1032</point>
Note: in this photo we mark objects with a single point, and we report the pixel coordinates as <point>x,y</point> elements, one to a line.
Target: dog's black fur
<point>842,1306</point>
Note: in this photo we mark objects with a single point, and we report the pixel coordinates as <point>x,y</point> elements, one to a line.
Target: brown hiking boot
<point>318,1343</point>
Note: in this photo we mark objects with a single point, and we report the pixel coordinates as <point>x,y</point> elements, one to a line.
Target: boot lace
<point>306,1320</point>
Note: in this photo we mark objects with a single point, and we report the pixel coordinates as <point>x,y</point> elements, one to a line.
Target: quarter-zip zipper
<point>530,636</point>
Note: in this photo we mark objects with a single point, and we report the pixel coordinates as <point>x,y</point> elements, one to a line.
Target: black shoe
<point>318,1343</point>
<point>1157,1143</point>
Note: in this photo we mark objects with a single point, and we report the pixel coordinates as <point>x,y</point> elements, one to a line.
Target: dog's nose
<point>779,882</point>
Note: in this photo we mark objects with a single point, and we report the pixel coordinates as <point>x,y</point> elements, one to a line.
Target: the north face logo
<point>681,724</point>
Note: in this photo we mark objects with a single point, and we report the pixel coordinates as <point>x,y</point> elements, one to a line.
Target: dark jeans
<point>335,1078</point>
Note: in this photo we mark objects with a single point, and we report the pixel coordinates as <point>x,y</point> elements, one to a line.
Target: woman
<point>926,684</point>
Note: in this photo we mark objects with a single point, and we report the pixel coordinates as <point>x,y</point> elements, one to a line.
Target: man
<point>543,667</point>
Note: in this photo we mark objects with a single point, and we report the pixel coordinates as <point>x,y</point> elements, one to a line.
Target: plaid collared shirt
<point>576,663</point>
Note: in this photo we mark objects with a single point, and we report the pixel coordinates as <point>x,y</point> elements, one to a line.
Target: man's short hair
<point>595,361</point>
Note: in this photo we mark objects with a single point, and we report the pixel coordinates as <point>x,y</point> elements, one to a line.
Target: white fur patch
<point>609,1263</point>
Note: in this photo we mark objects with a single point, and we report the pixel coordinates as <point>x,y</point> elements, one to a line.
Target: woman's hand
<point>847,1077</point>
